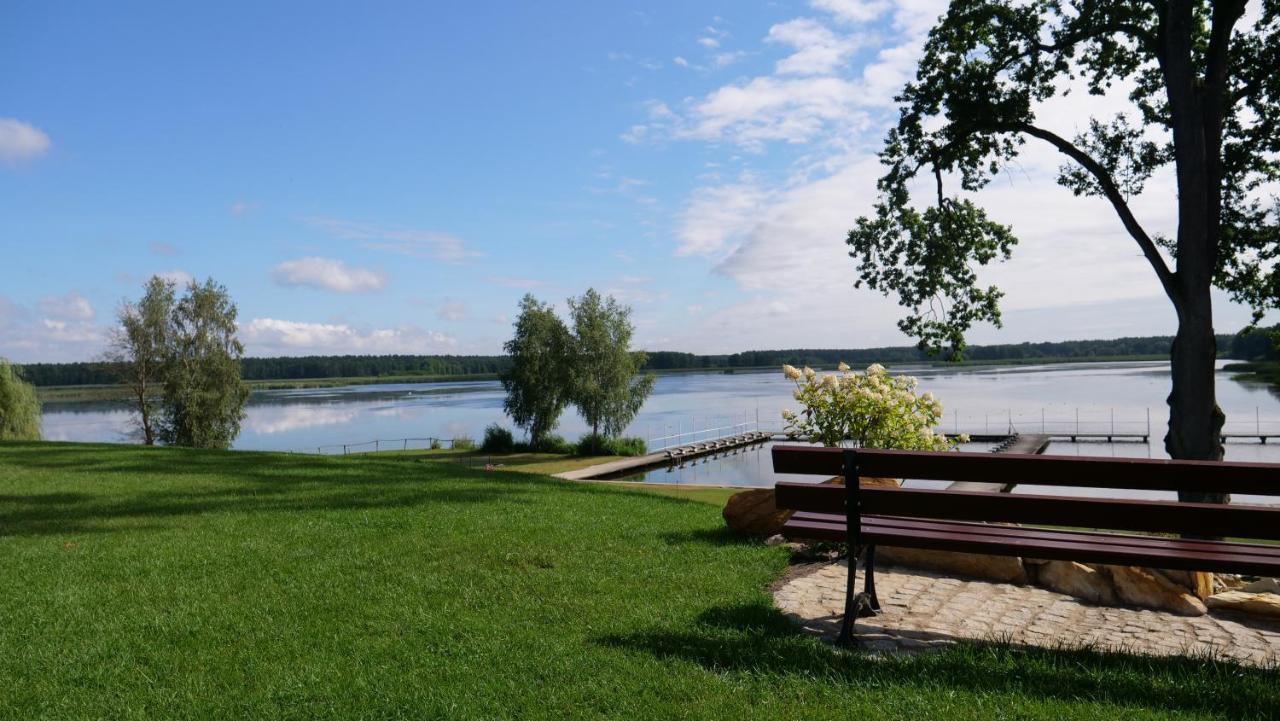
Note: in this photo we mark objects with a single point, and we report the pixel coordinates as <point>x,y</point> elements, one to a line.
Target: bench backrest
<point>1257,522</point>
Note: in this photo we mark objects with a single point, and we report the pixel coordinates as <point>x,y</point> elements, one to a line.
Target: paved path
<point>922,610</point>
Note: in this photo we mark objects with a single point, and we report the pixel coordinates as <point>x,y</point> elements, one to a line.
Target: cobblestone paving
<point>921,610</point>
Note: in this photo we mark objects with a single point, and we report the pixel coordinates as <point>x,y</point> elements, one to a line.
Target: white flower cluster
<point>870,410</point>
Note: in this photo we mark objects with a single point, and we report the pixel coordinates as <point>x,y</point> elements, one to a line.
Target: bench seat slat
<point>1003,531</point>
<point>1044,543</point>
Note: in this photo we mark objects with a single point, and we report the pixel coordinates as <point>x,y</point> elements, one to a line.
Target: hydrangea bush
<point>866,410</point>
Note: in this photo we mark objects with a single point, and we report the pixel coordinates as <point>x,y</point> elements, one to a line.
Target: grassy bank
<point>162,583</point>
<point>1258,371</point>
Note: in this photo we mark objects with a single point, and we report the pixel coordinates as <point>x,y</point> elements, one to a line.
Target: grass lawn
<point>159,583</point>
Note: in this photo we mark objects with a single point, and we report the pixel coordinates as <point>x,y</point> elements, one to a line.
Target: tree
<point>1204,97</point>
<point>19,408</point>
<point>139,350</point>
<point>605,382</point>
<point>538,382</point>
<point>204,396</point>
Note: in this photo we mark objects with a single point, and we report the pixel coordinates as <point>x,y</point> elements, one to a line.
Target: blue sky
<point>391,177</point>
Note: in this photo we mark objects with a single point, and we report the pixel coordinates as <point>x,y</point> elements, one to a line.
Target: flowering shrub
<point>869,410</point>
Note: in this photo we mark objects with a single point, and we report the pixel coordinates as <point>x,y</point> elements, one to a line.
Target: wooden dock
<point>1030,443</point>
<point>691,450</point>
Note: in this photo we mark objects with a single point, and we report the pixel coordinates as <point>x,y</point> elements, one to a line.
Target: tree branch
<point>1113,194</point>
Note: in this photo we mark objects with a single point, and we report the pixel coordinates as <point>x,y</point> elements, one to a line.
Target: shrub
<point>19,408</point>
<point>435,444</point>
<point>463,443</point>
<point>597,445</point>
<point>551,443</point>
<point>870,410</point>
<point>497,440</point>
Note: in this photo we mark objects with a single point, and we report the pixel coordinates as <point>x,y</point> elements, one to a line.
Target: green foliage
<point>141,350</point>
<point>1257,344</point>
<point>538,382</point>
<point>463,443</point>
<point>1205,97</point>
<point>550,443</point>
<point>204,397</point>
<point>594,444</point>
<point>19,409</point>
<point>497,440</point>
<point>869,410</point>
<point>606,385</point>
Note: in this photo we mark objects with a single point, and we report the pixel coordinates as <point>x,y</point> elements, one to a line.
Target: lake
<point>1122,397</point>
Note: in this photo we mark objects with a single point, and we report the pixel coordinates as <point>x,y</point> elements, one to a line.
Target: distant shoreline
<point>117,392</point>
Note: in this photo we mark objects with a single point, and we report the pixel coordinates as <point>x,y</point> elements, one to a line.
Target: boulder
<point>1003,569</point>
<point>1199,583</point>
<point>1257,604</point>
<point>755,513</point>
<point>1262,585</point>
<point>1148,589</point>
<point>1075,579</point>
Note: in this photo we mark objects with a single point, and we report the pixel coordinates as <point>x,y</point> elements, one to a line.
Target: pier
<point>1028,443</point>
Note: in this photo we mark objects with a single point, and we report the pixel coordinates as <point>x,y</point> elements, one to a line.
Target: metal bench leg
<point>873,603</point>
<point>858,605</point>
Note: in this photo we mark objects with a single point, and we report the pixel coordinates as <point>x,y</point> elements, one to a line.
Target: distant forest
<point>436,366</point>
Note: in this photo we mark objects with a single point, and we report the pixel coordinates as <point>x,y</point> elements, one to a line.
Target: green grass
<point>158,583</point>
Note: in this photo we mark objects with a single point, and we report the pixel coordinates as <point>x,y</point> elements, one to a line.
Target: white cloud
<point>818,50</point>
<point>708,42</point>
<point>328,274</point>
<point>21,141</point>
<point>271,336</point>
<point>180,278</point>
<point>69,307</point>
<point>716,215</point>
<point>852,11</point>
<point>431,244</point>
<point>680,61</point>
<point>242,207</point>
<point>453,310</point>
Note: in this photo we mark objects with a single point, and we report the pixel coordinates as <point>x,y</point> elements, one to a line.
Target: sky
<point>392,177</point>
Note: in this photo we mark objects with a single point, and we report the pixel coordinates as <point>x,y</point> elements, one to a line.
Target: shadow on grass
<point>222,482</point>
<point>719,536</point>
<point>757,639</point>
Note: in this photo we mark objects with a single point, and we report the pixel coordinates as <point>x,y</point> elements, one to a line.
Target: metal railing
<point>390,444</point>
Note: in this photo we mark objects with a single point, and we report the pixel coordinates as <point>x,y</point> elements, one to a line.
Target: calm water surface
<point>1093,397</point>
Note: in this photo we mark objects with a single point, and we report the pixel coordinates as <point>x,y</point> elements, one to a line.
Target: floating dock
<point>1029,443</point>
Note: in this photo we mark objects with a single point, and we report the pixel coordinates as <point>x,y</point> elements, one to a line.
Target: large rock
<point>1076,579</point>
<point>755,513</point>
<point>1148,589</point>
<point>1199,583</point>
<point>1257,604</point>
<point>1262,585</point>
<point>1004,569</point>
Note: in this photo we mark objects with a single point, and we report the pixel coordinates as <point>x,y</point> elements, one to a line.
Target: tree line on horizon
<point>1241,346</point>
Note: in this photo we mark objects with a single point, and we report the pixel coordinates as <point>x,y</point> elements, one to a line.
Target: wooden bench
<point>949,520</point>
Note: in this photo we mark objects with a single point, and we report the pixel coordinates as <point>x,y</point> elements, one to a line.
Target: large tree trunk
<point>1195,421</point>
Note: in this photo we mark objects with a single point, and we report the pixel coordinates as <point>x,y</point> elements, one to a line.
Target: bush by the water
<point>464,443</point>
<point>597,445</point>
<point>550,443</point>
<point>497,440</point>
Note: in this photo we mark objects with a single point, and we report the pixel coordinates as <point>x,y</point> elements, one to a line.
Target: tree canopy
<point>1203,96</point>
<point>607,387</point>
<point>19,408</point>
<point>538,381</point>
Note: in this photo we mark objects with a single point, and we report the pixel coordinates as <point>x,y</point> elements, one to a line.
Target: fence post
<point>344,449</point>
<point>1077,422</point>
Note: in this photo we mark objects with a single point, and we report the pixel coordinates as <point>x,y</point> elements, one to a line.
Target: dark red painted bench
<point>960,520</point>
